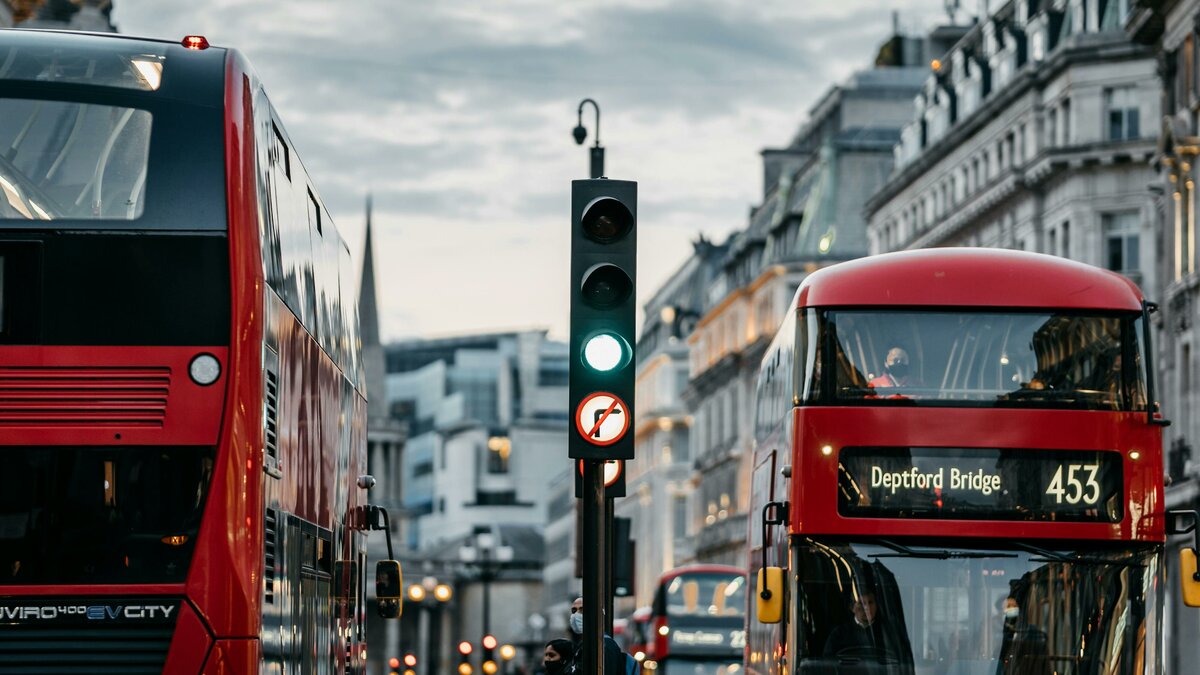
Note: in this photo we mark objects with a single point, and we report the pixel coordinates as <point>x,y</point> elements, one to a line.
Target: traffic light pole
<point>595,593</point>
<point>608,565</point>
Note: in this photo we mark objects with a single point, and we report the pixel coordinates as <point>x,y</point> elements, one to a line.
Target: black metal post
<point>594,591</point>
<point>486,575</point>
<point>608,566</point>
<point>597,151</point>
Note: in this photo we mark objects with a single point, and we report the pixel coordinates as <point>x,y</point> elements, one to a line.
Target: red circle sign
<point>602,418</point>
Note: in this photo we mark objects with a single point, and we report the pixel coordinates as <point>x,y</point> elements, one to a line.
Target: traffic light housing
<point>603,316</point>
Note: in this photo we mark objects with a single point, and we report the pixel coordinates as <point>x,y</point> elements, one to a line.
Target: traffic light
<point>603,312</point>
<point>488,657</point>
<point>464,658</point>
<point>410,663</point>
<point>394,666</point>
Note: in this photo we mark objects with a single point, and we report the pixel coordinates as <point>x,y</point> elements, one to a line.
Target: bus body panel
<point>158,404</point>
<point>229,603</point>
<point>190,645</point>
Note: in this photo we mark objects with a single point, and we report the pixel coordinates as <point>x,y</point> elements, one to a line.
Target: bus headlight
<point>204,369</point>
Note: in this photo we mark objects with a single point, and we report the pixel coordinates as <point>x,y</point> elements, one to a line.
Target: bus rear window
<point>71,160</point>
<point>1009,359</point>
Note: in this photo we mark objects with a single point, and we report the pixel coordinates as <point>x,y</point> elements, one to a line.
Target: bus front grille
<point>67,650</point>
<point>57,396</point>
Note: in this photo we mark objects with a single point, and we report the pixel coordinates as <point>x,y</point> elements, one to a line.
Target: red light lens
<point>489,641</point>
<point>410,660</point>
<point>195,42</point>
<point>393,663</point>
<point>464,647</point>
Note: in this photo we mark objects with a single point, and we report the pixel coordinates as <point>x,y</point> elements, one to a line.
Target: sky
<point>457,118</point>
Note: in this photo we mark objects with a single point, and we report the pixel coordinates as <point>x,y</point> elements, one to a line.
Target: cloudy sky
<point>457,116</point>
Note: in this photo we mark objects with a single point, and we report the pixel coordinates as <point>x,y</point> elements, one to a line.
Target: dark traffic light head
<point>603,315</point>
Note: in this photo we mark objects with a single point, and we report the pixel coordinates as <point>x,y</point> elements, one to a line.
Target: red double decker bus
<point>182,420</point>
<point>957,470</point>
<point>696,623</point>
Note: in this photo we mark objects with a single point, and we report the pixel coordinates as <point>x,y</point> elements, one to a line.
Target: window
<point>77,161</point>
<point>1066,239</point>
<point>280,152</point>
<point>499,449</point>
<point>1066,121</point>
<point>1122,110</point>
<point>314,212</point>
<point>680,516</point>
<point>1121,241</point>
<point>422,469</point>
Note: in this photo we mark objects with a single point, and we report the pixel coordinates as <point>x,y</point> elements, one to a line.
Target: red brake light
<point>195,42</point>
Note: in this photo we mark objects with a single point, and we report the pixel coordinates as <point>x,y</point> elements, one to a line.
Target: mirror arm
<point>373,523</point>
<point>1193,516</point>
<point>1151,391</point>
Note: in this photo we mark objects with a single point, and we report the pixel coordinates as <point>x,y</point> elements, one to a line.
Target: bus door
<point>763,638</point>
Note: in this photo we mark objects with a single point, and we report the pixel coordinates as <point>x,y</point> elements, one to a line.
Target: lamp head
<point>580,134</point>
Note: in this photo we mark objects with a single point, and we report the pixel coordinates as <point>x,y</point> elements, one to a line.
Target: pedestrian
<point>616,661</point>
<point>558,658</point>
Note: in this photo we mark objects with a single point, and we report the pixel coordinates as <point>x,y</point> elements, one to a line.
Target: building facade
<point>93,16</point>
<point>1032,133</point>
<point>659,481</point>
<point>810,216</point>
<point>1172,30</point>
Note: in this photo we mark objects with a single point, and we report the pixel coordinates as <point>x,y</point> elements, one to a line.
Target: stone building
<point>1172,30</point>
<point>659,481</point>
<point>93,16</point>
<point>810,216</point>
<point>1032,133</point>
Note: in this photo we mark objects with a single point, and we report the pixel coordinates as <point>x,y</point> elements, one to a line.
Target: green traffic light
<point>603,352</point>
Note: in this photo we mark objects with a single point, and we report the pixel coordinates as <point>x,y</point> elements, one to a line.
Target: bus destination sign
<point>980,484</point>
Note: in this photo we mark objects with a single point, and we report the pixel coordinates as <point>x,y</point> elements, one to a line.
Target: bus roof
<point>967,277</point>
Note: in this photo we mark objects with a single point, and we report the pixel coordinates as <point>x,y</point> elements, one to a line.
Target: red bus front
<point>962,472</point>
<point>697,622</point>
<point>178,434</point>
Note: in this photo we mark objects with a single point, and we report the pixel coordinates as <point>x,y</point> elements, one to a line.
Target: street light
<point>580,134</point>
<point>488,557</point>
<point>427,595</point>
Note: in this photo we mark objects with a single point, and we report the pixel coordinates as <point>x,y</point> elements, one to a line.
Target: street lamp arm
<point>580,116</point>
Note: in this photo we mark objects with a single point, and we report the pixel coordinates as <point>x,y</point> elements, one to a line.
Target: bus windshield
<point>1001,359</point>
<point>884,607</point>
<point>69,160</point>
<point>706,594</point>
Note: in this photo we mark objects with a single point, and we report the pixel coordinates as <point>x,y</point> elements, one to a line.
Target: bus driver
<point>896,370</point>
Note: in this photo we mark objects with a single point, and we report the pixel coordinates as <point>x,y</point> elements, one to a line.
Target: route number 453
<point>1079,484</point>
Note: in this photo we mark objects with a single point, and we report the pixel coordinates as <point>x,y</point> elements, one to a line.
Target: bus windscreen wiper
<point>1054,556</point>
<point>934,554</point>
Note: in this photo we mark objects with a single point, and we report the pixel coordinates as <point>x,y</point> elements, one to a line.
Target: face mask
<point>577,623</point>
<point>1011,612</point>
<point>898,369</point>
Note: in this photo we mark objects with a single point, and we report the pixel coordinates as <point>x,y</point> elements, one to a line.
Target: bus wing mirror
<point>1185,522</point>
<point>388,588</point>
<point>769,603</point>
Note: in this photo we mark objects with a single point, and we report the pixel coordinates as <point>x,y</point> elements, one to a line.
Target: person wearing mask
<point>896,371</point>
<point>557,659</point>
<point>616,662</point>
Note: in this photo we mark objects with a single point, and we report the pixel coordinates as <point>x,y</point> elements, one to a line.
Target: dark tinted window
<point>115,289</point>
<point>72,515</point>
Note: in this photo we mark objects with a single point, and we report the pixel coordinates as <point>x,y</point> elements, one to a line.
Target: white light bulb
<point>603,352</point>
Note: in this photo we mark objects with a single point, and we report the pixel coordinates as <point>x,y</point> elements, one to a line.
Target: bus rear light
<point>175,540</point>
<point>196,42</point>
<point>204,369</point>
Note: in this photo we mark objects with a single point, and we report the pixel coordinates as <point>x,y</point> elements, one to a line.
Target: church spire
<point>368,309</point>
